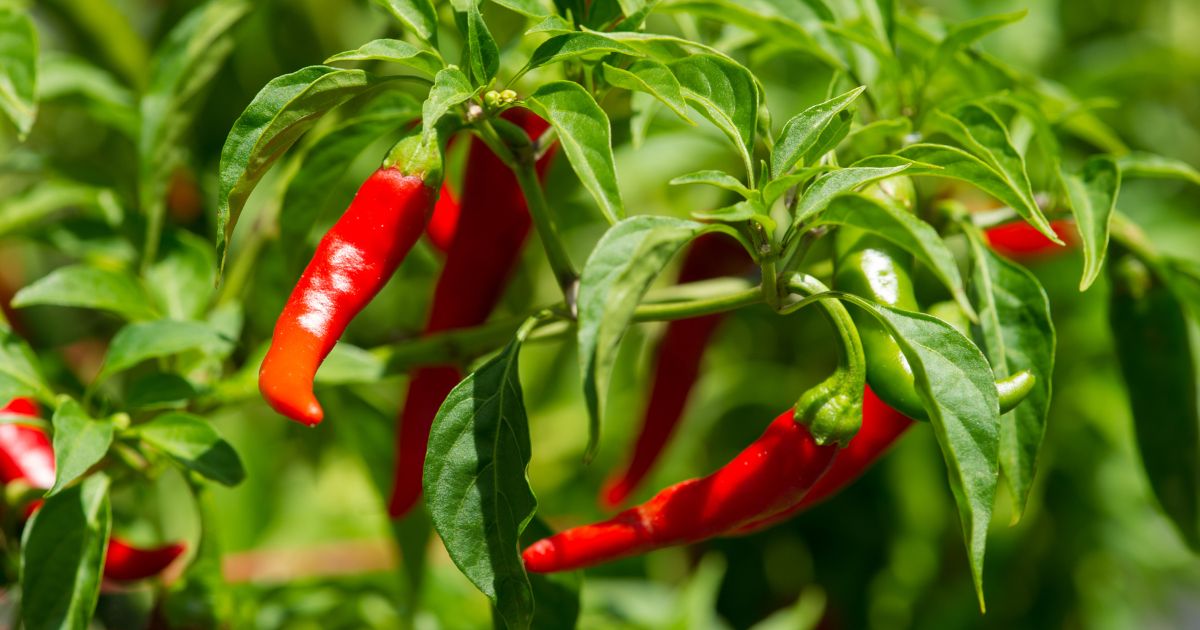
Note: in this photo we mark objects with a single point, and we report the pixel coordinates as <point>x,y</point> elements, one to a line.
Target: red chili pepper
<point>444,221</point>
<point>1022,241</point>
<point>881,426</point>
<point>493,225</point>
<point>768,476</point>
<point>352,263</point>
<point>677,364</point>
<point>27,455</point>
<point>127,563</point>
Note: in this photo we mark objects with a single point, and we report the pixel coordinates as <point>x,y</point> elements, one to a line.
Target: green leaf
<point>394,51</point>
<point>49,196</point>
<point>902,228</point>
<point>89,287</point>
<point>586,137</point>
<point>181,72</point>
<point>578,44</point>
<point>79,443</point>
<point>956,384</point>
<point>182,280</point>
<point>620,269</point>
<point>149,340</point>
<point>326,161</point>
<point>802,132</point>
<point>195,444</point>
<point>737,213</point>
<point>1092,195</point>
<point>18,68</point>
<point>1017,334</point>
<point>476,483</point>
<point>957,164</point>
<point>62,557</point>
<point>726,94</point>
<point>280,113</point>
<point>962,35</point>
<point>62,77</point>
<point>978,129</point>
<point>1150,331</point>
<point>1157,166</point>
<point>483,53</point>
<point>720,179</point>
<point>834,183</point>
<point>419,16</point>
<point>450,88</point>
<point>653,78</point>
<point>19,374</point>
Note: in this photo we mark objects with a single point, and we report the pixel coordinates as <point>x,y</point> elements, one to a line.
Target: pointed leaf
<point>586,137</point>
<point>149,340</point>
<point>726,94</point>
<point>802,132</point>
<point>1017,334</point>
<point>418,15</point>
<point>653,78</point>
<point>834,183</point>
<point>476,483</point>
<point>1092,194</point>
<point>1157,166</point>
<point>577,44</point>
<point>194,443</point>
<point>89,287</point>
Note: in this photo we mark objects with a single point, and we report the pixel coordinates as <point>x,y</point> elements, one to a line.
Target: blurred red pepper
<point>492,226</point>
<point>677,363</point>
<point>26,455</point>
<point>1022,241</point>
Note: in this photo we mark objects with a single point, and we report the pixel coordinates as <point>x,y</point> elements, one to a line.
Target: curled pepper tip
<point>615,491</point>
<point>299,406</point>
<point>125,562</point>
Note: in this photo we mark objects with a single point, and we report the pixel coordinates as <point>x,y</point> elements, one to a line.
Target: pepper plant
<point>360,222</point>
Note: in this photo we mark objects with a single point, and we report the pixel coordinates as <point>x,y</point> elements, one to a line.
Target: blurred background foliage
<point>306,537</point>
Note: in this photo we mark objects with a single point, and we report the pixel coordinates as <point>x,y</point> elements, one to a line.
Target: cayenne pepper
<point>491,227</point>
<point>1021,241</point>
<point>353,261</point>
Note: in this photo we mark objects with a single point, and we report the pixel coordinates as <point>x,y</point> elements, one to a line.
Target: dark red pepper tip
<point>615,491</point>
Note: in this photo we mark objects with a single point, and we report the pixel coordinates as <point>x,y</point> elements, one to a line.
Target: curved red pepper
<point>444,220</point>
<point>27,455</point>
<point>492,227</point>
<point>1020,240</point>
<point>352,263</point>
<point>881,427</point>
<point>774,472</point>
<point>677,364</point>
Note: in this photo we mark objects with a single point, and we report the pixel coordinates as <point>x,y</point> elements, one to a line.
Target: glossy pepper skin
<point>26,455</point>
<point>352,263</point>
<point>771,474</point>
<point>1021,241</point>
<point>881,427</point>
<point>492,226</point>
<point>677,364</point>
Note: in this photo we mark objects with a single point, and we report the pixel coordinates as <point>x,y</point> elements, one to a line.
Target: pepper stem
<point>832,410</point>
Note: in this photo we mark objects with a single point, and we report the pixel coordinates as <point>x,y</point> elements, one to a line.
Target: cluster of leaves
<point>904,98</point>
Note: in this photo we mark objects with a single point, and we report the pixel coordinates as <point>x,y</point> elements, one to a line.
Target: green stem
<point>547,228</point>
<point>696,308</point>
<point>850,356</point>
